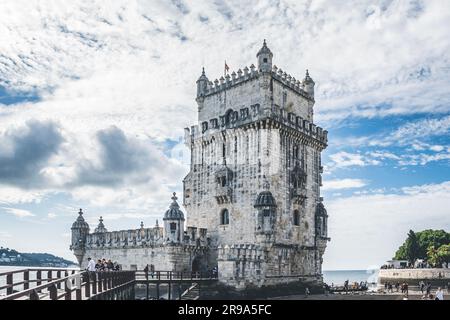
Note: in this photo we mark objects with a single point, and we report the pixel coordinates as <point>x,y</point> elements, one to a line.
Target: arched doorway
<point>199,264</point>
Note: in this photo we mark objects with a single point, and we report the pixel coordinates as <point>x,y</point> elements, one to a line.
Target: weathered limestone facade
<point>167,248</point>
<point>255,175</point>
<point>252,195</point>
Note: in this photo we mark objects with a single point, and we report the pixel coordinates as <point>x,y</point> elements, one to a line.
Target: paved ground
<point>413,295</point>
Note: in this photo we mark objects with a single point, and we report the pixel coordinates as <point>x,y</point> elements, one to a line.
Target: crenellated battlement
<point>248,74</point>
<point>291,82</point>
<point>143,237</point>
<point>247,115</point>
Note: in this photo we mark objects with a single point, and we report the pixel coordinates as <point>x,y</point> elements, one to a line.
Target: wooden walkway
<point>60,284</point>
<point>71,284</point>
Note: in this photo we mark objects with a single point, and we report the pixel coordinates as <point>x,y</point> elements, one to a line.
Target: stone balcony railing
<point>223,194</point>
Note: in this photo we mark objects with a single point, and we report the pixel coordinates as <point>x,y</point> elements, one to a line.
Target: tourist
<point>110,265</point>
<point>428,288</point>
<point>146,272</point>
<point>346,286</point>
<point>307,292</point>
<point>439,294</point>
<point>152,270</point>
<point>90,265</point>
<point>397,286</point>
<point>421,286</point>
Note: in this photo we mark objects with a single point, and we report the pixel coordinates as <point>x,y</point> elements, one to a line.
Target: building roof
<point>174,212</point>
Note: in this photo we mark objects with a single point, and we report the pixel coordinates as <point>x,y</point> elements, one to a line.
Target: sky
<point>94,99</point>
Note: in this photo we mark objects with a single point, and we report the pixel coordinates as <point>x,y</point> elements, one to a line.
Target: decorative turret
<point>174,222</point>
<point>267,208</point>
<point>321,221</point>
<point>264,58</point>
<point>80,230</point>
<point>308,85</point>
<point>202,84</point>
<point>101,227</point>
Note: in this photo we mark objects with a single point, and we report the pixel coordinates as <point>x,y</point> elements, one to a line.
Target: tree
<point>433,256</point>
<point>425,239</point>
<point>412,247</point>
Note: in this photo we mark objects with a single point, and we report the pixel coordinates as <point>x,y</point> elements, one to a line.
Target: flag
<point>227,68</point>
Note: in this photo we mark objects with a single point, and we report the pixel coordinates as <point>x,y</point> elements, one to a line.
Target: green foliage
<point>424,239</point>
<point>437,256</point>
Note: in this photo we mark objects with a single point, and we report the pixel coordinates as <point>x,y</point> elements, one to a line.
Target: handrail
<point>95,284</point>
<point>195,285</point>
<point>40,287</point>
<point>37,269</point>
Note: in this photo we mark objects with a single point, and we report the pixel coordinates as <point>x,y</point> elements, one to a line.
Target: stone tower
<point>80,230</point>
<point>255,176</point>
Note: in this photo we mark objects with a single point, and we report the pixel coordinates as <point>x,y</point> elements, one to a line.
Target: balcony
<point>223,194</point>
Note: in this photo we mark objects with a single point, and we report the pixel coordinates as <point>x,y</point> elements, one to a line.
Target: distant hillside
<point>11,257</point>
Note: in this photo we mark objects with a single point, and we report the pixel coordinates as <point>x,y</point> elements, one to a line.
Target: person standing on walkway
<point>90,265</point>
<point>439,294</point>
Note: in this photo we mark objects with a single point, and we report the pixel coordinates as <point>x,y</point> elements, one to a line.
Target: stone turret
<point>80,230</point>
<point>264,58</point>
<point>266,207</point>
<point>101,227</point>
<point>202,84</point>
<point>174,222</point>
<point>308,85</point>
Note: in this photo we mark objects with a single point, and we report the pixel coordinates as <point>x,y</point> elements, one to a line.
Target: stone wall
<point>164,258</point>
<point>438,276</point>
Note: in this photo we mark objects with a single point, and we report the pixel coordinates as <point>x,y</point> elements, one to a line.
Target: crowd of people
<point>389,287</point>
<point>102,265</point>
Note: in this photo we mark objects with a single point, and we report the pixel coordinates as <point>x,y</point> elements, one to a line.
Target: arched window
<point>224,217</point>
<point>296,217</point>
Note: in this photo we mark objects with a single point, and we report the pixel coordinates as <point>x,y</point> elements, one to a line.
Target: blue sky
<point>94,99</point>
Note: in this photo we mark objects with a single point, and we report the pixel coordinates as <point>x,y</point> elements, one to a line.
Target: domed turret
<point>266,206</point>
<point>174,222</point>
<point>321,221</point>
<point>264,56</point>
<point>101,227</point>
<point>202,84</point>
<point>265,199</point>
<point>80,230</point>
<point>308,85</point>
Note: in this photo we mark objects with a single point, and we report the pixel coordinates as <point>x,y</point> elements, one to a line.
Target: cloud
<point>374,226</point>
<point>343,184</point>
<point>345,159</point>
<point>51,215</point>
<point>20,213</point>
<point>120,159</point>
<point>25,151</point>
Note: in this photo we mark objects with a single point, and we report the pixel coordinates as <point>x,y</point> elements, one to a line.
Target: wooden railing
<point>75,286</point>
<point>175,275</point>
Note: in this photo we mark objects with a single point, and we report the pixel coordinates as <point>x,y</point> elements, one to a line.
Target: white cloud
<point>20,213</point>
<point>339,184</point>
<point>345,159</point>
<point>51,215</point>
<point>371,227</point>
